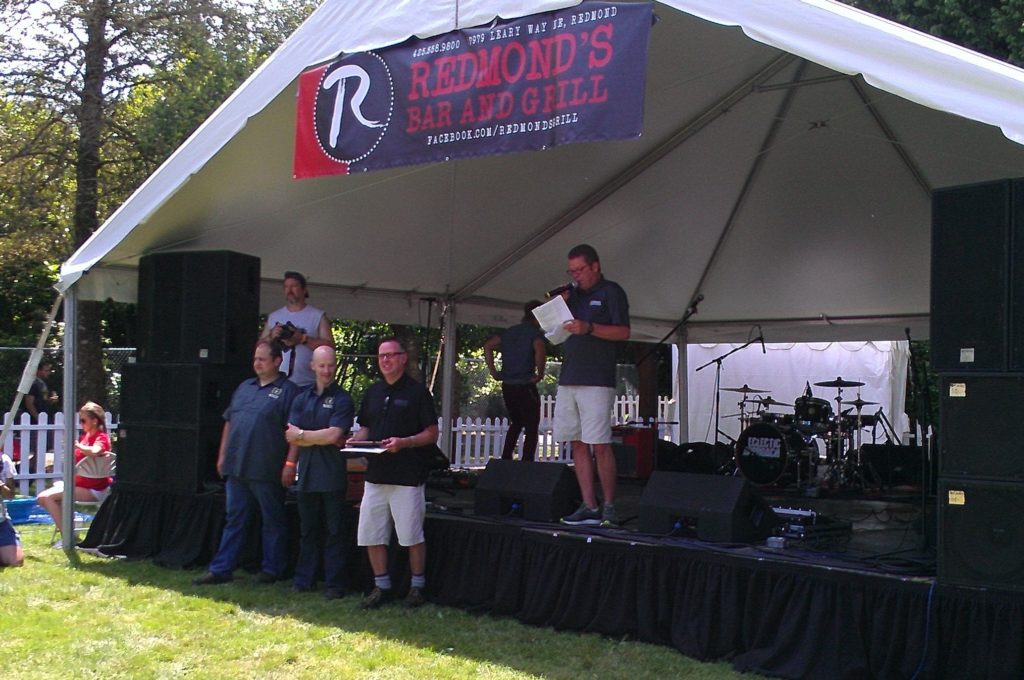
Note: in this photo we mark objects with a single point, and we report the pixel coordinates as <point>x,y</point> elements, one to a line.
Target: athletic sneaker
<point>609,518</point>
<point>583,516</point>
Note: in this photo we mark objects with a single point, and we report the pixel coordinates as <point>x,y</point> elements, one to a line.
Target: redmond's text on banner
<point>573,75</point>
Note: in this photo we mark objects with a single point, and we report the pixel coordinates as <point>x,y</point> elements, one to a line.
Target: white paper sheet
<point>551,316</point>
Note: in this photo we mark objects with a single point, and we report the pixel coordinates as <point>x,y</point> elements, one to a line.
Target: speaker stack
<point>977,348</point>
<point>198,321</point>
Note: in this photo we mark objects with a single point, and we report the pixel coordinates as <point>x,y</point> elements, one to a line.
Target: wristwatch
<point>302,433</point>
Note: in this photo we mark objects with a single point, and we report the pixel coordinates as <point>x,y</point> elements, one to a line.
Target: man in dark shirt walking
<point>523,358</point>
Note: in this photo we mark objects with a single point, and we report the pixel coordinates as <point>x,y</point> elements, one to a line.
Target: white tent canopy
<point>784,172</point>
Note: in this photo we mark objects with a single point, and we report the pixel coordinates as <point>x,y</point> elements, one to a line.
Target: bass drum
<point>765,452</point>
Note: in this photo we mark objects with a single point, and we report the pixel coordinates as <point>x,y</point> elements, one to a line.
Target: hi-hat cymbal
<point>746,389</point>
<point>768,401</point>
<point>839,382</point>
<point>859,403</point>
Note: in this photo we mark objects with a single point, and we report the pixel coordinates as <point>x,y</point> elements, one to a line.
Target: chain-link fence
<point>12,364</point>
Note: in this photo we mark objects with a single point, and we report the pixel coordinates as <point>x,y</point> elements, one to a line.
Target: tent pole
<point>67,523</point>
<point>681,388</point>
<point>448,377</point>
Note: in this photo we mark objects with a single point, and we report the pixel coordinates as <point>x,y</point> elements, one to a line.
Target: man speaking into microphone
<point>586,386</point>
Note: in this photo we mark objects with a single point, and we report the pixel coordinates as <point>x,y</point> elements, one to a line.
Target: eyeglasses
<point>577,270</point>
<point>389,355</point>
<point>83,420</point>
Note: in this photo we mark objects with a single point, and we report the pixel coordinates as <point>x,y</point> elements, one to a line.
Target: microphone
<point>561,289</point>
<point>760,336</point>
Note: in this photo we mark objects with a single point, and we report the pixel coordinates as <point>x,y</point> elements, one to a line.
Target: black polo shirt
<point>400,410</point>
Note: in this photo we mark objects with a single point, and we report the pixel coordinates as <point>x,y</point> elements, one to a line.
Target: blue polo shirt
<point>258,414</point>
<point>322,468</point>
<point>588,360</point>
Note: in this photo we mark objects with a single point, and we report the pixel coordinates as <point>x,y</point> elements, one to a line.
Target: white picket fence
<point>41,449</point>
<point>474,441</point>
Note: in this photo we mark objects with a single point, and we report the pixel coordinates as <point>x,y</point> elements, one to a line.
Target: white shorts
<point>584,413</point>
<point>389,505</point>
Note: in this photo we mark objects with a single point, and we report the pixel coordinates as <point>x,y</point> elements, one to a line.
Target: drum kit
<point>780,448</point>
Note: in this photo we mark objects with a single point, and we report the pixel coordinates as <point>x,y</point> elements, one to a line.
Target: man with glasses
<point>300,328</point>
<point>399,413</point>
<point>586,385</point>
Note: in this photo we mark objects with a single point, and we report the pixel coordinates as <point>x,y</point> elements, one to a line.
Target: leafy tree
<point>102,91</point>
<point>992,27</point>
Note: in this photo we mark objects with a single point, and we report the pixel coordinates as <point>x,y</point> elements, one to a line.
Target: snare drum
<point>764,452</point>
<point>812,414</point>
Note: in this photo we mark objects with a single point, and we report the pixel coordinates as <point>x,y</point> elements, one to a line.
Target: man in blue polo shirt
<point>320,419</point>
<point>586,384</point>
<point>251,458</point>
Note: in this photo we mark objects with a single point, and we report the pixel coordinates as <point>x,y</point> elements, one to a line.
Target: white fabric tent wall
<point>785,370</point>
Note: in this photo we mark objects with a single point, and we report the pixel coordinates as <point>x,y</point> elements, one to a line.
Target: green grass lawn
<point>116,619</point>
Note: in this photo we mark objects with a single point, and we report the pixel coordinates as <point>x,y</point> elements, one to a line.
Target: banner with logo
<point>574,75</point>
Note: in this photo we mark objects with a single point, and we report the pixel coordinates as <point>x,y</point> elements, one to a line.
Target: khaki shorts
<point>389,505</point>
<point>584,413</point>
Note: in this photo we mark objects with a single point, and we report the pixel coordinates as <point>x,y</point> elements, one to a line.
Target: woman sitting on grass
<point>11,554</point>
<point>94,442</point>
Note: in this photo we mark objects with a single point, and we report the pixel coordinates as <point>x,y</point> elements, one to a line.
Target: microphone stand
<point>717,361</point>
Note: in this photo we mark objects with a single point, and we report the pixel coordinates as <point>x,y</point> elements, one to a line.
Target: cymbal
<point>858,402</point>
<point>746,389</point>
<point>839,382</point>
<point>768,401</point>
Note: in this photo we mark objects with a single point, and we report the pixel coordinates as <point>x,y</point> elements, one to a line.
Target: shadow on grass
<point>441,630</point>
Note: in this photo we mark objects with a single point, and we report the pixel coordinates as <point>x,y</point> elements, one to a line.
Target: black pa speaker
<point>198,306</point>
<point>178,394</point>
<point>981,538</point>
<point>540,492</point>
<point>168,458</point>
<point>711,507</point>
<point>977,287</point>
<point>980,431</point>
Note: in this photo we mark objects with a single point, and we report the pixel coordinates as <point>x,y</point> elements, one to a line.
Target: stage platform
<point>862,603</point>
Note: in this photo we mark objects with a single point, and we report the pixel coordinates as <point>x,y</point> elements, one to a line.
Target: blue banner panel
<point>575,75</point>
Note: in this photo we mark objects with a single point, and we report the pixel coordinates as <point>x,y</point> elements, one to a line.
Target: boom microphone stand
<point>717,361</point>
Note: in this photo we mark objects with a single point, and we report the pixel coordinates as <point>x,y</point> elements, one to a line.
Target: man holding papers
<point>586,386</point>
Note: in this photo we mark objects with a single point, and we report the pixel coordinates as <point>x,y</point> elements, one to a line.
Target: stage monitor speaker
<point>540,492</point>
<point>198,306</point>
<point>711,507</point>
<point>178,394</point>
<point>980,432</point>
<point>977,288</point>
<point>981,538</point>
<point>176,459</point>
<point>695,457</point>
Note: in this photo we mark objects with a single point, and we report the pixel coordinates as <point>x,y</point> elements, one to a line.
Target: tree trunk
<point>92,384</point>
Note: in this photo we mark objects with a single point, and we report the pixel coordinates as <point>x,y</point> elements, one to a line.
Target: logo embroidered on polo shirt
<point>328,402</point>
<point>275,393</point>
